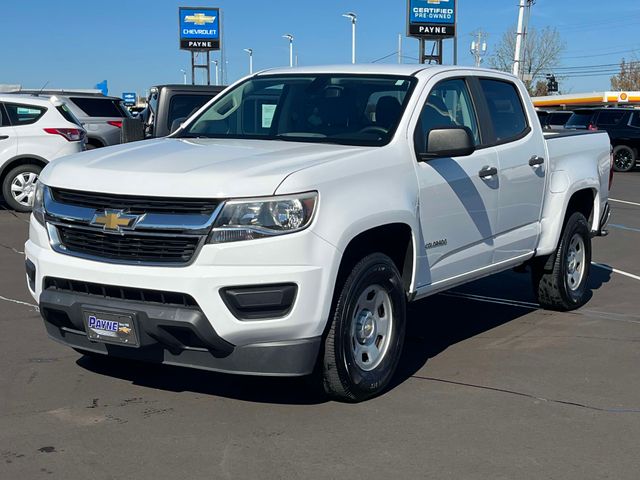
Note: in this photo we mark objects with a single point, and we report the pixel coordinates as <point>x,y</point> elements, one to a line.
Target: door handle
<point>4,137</point>
<point>535,161</point>
<point>488,172</point>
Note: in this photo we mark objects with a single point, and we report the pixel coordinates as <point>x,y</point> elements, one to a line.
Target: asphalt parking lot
<point>490,386</point>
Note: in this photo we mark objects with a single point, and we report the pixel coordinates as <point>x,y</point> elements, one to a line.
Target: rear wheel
<point>624,158</point>
<point>560,281</point>
<point>365,338</point>
<point>19,187</point>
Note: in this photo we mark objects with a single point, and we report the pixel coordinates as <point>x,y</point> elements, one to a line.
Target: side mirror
<point>176,124</point>
<point>449,142</point>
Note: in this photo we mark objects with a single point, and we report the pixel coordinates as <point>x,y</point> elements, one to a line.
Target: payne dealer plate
<point>118,328</point>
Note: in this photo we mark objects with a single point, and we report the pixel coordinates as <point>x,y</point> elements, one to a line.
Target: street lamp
<point>184,75</point>
<point>353,17</point>
<point>289,37</point>
<point>215,63</point>
<point>250,52</point>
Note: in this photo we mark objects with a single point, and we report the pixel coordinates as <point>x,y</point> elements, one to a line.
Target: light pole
<point>353,17</point>
<point>289,37</point>
<point>250,52</point>
<point>184,75</point>
<point>215,63</point>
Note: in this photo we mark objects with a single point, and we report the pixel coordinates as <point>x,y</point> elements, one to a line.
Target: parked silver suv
<point>100,115</point>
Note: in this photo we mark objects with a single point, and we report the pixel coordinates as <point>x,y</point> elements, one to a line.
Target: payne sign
<point>199,28</point>
<point>431,18</point>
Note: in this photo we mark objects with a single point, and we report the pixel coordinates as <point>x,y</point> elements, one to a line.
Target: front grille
<point>120,293</point>
<point>130,248</point>
<point>135,204</point>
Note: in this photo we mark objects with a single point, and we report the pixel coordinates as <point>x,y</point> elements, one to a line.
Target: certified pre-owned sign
<point>199,28</point>
<point>431,18</point>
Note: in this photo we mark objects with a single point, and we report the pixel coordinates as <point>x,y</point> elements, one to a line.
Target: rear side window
<point>23,114</point>
<point>100,107</point>
<point>181,106</point>
<point>505,109</point>
<point>558,119</point>
<point>4,121</point>
<point>610,117</point>
<point>580,119</point>
<point>68,116</point>
<point>635,120</point>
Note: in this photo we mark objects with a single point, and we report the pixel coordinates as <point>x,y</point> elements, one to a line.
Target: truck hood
<point>174,167</point>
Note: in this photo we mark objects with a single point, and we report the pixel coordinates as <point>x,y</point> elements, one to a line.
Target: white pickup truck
<point>283,228</point>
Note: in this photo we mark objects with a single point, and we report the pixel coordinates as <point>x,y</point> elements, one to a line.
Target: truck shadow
<point>434,324</point>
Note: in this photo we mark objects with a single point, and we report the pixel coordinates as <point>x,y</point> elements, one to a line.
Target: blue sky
<point>133,44</point>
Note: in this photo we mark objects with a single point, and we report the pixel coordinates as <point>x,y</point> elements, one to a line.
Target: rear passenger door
<point>522,168</point>
<point>8,138</point>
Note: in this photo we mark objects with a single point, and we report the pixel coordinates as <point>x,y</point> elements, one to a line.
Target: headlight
<point>38,203</point>
<point>263,217</point>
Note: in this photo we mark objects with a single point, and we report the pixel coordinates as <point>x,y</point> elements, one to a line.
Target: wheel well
<point>17,162</point>
<point>394,240</point>
<point>95,142</point>
<point>581,201</point>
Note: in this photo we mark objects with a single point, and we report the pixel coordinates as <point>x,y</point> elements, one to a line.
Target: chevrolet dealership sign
<point>199,28</point>
<point>431,18</point>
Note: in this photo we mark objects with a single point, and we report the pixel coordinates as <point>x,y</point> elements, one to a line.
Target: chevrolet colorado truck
<point>284,227</point>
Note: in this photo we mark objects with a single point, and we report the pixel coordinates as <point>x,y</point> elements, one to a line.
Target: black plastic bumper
<point>174,336</point>
<point>604,221</point>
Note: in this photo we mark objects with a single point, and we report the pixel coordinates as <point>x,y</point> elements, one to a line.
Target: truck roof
<point>368,69</point>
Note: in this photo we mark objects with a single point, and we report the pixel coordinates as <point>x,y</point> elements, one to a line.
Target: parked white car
<point>283,228</point>
<point>33,132</point>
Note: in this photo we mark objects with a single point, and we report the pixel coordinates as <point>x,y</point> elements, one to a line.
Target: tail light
<point>611,170</point>
<point>70,134</point>
<point>592,127</point>
<point>115,123</point>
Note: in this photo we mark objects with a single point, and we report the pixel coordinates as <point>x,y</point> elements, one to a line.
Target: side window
<point>635,119</point>
<point>505,109</point>
<point>611,117</point>
<point>4,122</point>
<point>23,114</point>
<point>448,105</point>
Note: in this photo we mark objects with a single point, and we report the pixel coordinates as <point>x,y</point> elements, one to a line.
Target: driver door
<point>458,200</point>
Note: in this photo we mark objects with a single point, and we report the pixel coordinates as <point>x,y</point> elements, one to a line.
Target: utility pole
<point>524,11</point>
<point>353,17</point>
<point>250,52</point>
<point>289,37</point>
<point>215,63</point>
<point>478,46</point>
<point>184,76</point>
<point>399,48</point>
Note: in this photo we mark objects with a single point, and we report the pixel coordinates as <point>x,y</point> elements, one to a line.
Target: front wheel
<point>624,158</point>
<point>560,281</point>
<point>19,187</point>
<point>366,334</point>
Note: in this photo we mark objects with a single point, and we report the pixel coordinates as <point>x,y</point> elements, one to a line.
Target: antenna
<point>43,87</point>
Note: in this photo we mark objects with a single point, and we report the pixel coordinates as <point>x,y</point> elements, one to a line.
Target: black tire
<point>8,180</point>
<point>343,379</point>
<point>550,275</point>
<point>624,158</point>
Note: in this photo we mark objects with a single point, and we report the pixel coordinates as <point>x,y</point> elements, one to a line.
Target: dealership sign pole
<point>432,20</point>
<point>199,32</point>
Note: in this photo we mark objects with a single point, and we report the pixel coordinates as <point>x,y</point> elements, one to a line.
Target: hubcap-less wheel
<point>575,262</point>
<point>371,327</point>
<point>623,159</point>
<point>23,188</point>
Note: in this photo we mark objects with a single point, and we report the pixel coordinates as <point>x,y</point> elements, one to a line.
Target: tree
<point>629,76</point>
<point>542,49</point>
<point>541,89</point>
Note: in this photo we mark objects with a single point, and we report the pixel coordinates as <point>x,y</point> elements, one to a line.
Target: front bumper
<point>274,346</point>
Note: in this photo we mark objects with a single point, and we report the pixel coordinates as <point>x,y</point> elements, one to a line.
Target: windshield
<point>344,109</point>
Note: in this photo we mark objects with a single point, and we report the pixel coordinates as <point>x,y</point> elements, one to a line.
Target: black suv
<point>553,120</point>
<point>623,127</point>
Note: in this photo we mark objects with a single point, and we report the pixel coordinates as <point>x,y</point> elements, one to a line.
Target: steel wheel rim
<point>623,158</point>
<point>576,258</point>
<point>371,327</point>
<point>23,188</point>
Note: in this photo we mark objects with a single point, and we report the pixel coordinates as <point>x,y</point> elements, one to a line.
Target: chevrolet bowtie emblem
<point>115,220</point>
<point>199,19</point>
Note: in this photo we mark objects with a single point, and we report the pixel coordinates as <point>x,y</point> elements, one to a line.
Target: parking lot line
<point>19,302</point>
<point>624,201</point>
<point>615,270</point>
<point>623,227</point>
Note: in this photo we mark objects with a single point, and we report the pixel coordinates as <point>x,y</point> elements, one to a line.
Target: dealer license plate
<point>110,327</point>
